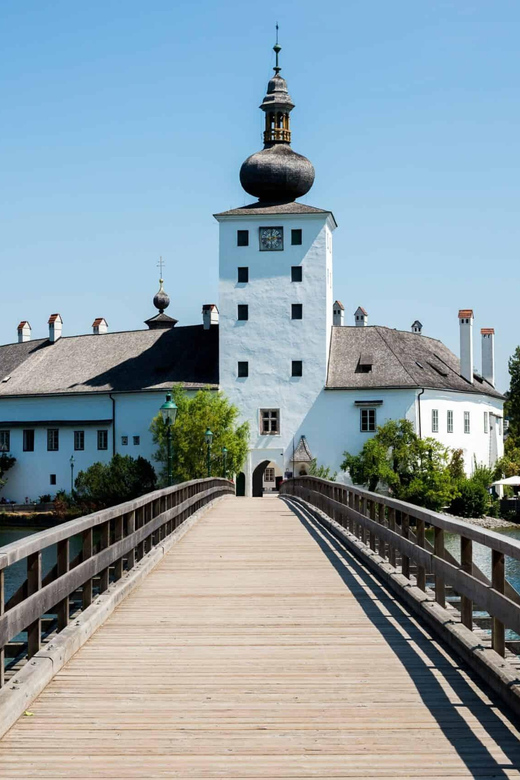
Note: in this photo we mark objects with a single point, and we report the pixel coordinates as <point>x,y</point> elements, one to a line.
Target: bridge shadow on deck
<point>471,750</point>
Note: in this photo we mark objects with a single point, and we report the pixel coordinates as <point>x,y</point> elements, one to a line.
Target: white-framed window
<point>269,421</point>
<point>467,422</point>
<point>367,420</point>
<point>124,441</point>
<point>53,439</point>
<point>435,421</point>
<point>28,440</point>
<point>79,440</point>
<point>102,440</point>
<point>449,421</point>
<point>269,474</point>
<point>5,441</point>
<point>136,440</point>
<point>486,422</point>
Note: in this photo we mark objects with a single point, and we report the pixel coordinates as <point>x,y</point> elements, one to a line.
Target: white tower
<point>275,294</point>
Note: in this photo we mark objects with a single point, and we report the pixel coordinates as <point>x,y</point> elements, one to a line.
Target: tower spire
<point>277,49</point>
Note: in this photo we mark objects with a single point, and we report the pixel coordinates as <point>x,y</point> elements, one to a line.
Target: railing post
<point>381,521</point>
<point>498,633</point>
<point>421,571</point>
<point>391,525</point>
<point>363,511</point>
<point>466,561</point>
<point>62,566</point>
<point>34,583</point>
<point>371,535</point>
<point>2,609</point>
<point>104,543</point>
<point>87,553</point>
<point>438,546</point>
<point>131,529</point>
<point>118,535</point>
<point>405,533</point>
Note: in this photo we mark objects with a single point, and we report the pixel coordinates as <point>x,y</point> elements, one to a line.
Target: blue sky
<point>124,125</point>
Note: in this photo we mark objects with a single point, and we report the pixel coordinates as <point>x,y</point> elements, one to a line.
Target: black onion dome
<point>161,300</point>
<point>277,174</point>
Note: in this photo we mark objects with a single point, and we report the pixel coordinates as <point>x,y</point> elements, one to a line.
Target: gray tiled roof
<point>127,361</point>
<point>401,359</point>
<point>275,208</point>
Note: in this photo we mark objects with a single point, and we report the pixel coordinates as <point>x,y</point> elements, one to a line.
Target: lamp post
<point>208,436</point>
<point>224,456</point>
<point>71,461</point>
<point>169,413</point>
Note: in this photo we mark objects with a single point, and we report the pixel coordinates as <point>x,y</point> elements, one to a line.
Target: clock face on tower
<point>271,239</point>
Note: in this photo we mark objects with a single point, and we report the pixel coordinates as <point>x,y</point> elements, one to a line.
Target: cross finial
<point>277,49</point>
<point>160,266</point>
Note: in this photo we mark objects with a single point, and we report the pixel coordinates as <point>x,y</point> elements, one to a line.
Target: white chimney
<point>338,311</point>
<point>466,343</point>
<point>209,315</point>
<point>488,355</point>
<point>361,317</point>
<point>100,325</point>
<point>417,327</point>
<point>24,331</point>
<point>55,327</point>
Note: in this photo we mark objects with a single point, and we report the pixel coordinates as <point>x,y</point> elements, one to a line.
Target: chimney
<point>488,355</point>
<point>417,327</point>
<point>361,317</point>
<point>466,343</point>
<point>24,331</point>
<point>55,327</point>
<point>99,326</point>
<point>338,311</point>
<point>209,315</point>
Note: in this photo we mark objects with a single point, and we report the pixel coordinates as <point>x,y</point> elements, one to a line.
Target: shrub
<point>45,499</point>
<point>472,500</point>
<point>107,484</point>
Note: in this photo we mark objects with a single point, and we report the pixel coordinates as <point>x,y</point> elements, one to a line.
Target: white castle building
<point>319,388</point>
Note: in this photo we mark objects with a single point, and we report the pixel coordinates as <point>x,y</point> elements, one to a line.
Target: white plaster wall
<point>270,339</point>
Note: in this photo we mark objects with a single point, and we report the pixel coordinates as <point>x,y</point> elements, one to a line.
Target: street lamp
<point>169,413</point>
<point>208,436</point>
<point>224,456</point>
<point>71,461</point>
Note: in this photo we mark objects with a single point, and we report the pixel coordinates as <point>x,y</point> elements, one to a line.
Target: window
<point>242,311</point>
<point>137,440</point>
<point>467,423</point>
<point>124,441</point>
<point>449,421</point>
<point>243,274</point>
<point>5,441</point>
<point>242,237</point>
<point>269,421</point>
<point>243,368</point>
<point>296,237</point>
<point>297,368</point>
<point>102,440</point>
<point>79,440</point>
<point>269,474</point>
<point>296,273</point>
<point>486,422</point>
<point>53,440</point>
<point>435,421</point>
<point>28,440</point>
<point>367,420</point>
<point>297,311</point>
<point>52,479</point>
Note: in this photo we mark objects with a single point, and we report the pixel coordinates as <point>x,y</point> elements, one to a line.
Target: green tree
<point>6,462</point>
<point>512,405</point>
<point>206,409</point>
<point>323,472</point>
<point>108,484</point>
<point>509,464</point>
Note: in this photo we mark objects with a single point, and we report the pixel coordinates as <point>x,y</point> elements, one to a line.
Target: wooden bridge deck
<point>257,649</point>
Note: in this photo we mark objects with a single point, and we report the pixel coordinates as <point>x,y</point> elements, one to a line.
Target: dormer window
<point>365,363</point>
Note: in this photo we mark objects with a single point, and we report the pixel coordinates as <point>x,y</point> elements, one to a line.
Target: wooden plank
<point>62,567</point>
<point>497,579</point>
<point>34,583</point>
<point>2,607</point>
<point>466,561</point>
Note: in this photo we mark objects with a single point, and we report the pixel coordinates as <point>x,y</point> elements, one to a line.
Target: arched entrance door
<point>258,479</point>
<point>241,484</point>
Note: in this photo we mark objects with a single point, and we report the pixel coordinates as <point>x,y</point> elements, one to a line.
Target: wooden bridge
<point>271,640</point>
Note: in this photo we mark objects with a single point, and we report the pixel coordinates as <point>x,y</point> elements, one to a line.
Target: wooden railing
<point>109,543</point>
<point>396,531</point>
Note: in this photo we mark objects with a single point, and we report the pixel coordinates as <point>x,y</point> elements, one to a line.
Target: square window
<point>242,237</point>
<point>435,421</point>
<point>297,311</point>
<point>28,440</point>
<point>367,420</point>
<point>269,474</point>
<point>242,312</point>
<point>296,237</point>
<point>296,273</point>
<point>52,480</point>
<point>79,440</point>
<point>5,441</point>
<point>449,421</point>
<point>124,441</point>
<point>297,368</point>
<point>102,440</point>
<point>243,368</point>
<point>137,440</point>
<point>269,421</point>
<point>243,275</point>
<point>467,423</point>
<point>53,439</point>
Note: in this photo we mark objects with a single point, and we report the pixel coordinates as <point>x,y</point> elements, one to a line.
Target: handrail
<point>112,541</point>
<point>384,523</point>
